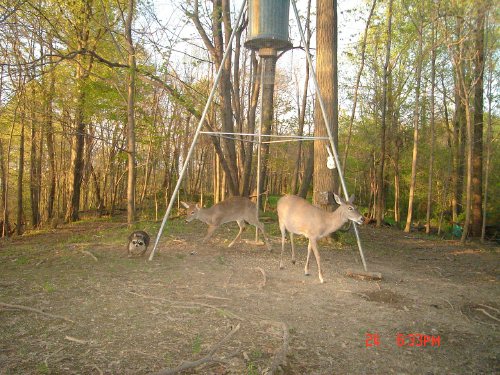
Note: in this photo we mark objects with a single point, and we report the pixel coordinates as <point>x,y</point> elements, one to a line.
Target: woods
<point>99,102</point>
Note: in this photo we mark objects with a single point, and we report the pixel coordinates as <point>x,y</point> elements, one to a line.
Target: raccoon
<point>138,243</point>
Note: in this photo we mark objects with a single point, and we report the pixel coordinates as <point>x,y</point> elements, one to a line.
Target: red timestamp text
<point>417,340</point>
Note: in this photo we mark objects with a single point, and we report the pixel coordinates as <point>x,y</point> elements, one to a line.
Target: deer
<point>298,216</point>
<point>239,209</point>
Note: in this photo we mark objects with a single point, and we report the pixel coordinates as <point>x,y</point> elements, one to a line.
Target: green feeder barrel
<point>268,24</point>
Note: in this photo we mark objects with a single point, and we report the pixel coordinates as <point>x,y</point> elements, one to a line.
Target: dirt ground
<point>436,311</point>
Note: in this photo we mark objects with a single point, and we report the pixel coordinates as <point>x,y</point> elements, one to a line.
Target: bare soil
<point>436,311</point>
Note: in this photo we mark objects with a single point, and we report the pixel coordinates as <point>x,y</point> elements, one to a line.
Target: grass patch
<point>221,260</point>
<point>196,346</point>
<point>48,287</point>
<point>42,368</point>
<point>21,261</point>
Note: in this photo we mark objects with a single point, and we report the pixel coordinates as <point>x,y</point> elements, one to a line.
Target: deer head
<point>347,210</point>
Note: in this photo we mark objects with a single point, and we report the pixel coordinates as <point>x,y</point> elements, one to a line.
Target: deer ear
<point>338,199</point>
<point>198,206</point>
<point>351,199</point>
<point>185,204</point>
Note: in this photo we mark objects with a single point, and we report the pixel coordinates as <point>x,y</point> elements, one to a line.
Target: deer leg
<point>318,259</point>
<point>257,224</point>
<point>261,227</point>
<point>210,231</point>
<point>306,268</point>
<point>241,224</point>
<point>283,237</point>
<point>293,248</point>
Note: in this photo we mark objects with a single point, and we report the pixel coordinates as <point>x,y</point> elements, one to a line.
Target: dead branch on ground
<point>487,314</point>
<point>78,341</point>
<point>206,359</point>
<point>38,311</point>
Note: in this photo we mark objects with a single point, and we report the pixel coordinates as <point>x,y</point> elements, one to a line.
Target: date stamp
<point>418,340</point>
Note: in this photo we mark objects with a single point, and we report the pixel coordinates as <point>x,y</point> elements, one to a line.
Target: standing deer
<point>298,216</point>
<point>239,209</point>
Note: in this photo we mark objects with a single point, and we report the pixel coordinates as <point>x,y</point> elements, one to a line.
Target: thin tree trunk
<point>477,162</point>
<point>488,150</point>
<point>49,134</point>
<point>380,171</point>
<point>432,135</point>
<point>4,180</point>
<point>131,181</point>
<point>35,168</point>
<point>4,230</point>
<point>251,120</point>
<point>302,108</point>
<point>267,113</point>
<point>20,221</point>
<point>416,115</point>
<point>356,86</point>
<point>470,153</point>
<point>77,147</point>
<point>458,130</point>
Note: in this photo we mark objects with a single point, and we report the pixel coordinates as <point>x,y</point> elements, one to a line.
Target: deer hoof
<point>293,261</point>
<point>307,274</point>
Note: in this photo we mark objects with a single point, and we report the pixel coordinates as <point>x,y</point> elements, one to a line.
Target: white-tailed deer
<point>298,216</point>
<point>239,209</point>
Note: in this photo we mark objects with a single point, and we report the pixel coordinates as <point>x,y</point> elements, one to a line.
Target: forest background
<point>99,100</point>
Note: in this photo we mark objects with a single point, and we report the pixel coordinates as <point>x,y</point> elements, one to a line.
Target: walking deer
<point>298,216</point>
<point>239,209</point>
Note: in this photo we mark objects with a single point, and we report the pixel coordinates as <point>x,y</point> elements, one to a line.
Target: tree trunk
<point>458,130</point>
<point>77,147</point>
<point>302,108</point>
<point>251,119</point>
<point>470,153</point>
<point>4,221</point>
<point>267,113</point>
<point>51,154</point>
<point>325,181</point>
<point>416,115</point>
<point>131,181</point>
<point>477,162</point>
<point>35,168</point>
<point>432,135</point>
<point>380,171</point>
<point>489,137</point>
<point>308,170</point>
<point>20,221</point>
